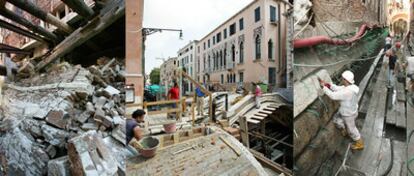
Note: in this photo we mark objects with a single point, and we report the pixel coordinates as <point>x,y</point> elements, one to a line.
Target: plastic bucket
<point>149,146</point>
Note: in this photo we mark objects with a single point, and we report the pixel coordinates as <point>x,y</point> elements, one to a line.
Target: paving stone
<point>59,167</point>
<point>89,155</point>
<point>57,118</point>
<point>54,136</point>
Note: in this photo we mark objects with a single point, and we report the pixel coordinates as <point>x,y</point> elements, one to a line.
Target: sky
<point>195,17</point>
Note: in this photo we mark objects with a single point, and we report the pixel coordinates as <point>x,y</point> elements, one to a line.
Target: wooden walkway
<point>376,157</point>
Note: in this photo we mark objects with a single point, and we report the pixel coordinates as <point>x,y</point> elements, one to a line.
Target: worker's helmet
<point>348,76</point>
<point>398,45</point>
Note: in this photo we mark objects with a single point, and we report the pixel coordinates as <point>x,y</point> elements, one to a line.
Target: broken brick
<point>100,102</point>
<point>57,118</point>
<point>59,166</point>
<point>88,155</point>
<point>82,118</point>
<point>54,136</point>
<point>109,91</point>
<point>89,126</point>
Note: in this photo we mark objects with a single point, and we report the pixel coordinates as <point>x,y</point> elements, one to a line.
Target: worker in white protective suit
<point>347,95</point>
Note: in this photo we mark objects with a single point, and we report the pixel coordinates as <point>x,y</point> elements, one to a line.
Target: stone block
<point>100,102</point>
<point>89,126</point>
<point>51,151</point>
<point>89,155</point>
<point>119,134</point>
<point>83,117</point>
<point>54,136</point>
<point>110,91</point>
<point>90,108</point>
<point>59,167</point>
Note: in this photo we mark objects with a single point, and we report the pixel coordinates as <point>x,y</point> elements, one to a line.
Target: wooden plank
<point>261,115</point>
<point>400,91</point>
<point>384,156</point>
<point>244,131</point>
<point>372,131</point>
<point>21,31</point>
<point>410,133</point>
<point>253,121</point>
<point>400,158</point>
<point>391,116</point>
<point>112,11</point>
<point>164,111</point>
<point>256,117</point>
<point>401,118</point>
<point>265,112</point>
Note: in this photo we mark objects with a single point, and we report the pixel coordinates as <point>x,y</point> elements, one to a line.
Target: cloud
<point>195,17</point>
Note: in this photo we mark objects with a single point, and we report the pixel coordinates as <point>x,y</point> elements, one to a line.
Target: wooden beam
<point>10,49</point>
<point>21,31</point>
<point>269,163</point>
<point>79,7</point>
<point>39,13</point>
<point>113,11</point>
<point>26,23</point>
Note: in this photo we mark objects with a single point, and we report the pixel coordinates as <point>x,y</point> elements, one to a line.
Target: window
<point>272,75</point>
<point>198,49</point>
<point>270,49</point>
<point>222,79</point>
<point>258,47</point>
<point>241,24</point>
<point>241,77</point>
<point>225,33</point>
<point>233,53</point>
<point>273,17</point>
<point>234,78</point>
<point>218,37</point>
<point>241,50</point>
<point>208,43</point>
<point>204,45</point>
<point>214,40</point>
<point>257,14</point>
<point>232,29</point>
<point>228,78</point>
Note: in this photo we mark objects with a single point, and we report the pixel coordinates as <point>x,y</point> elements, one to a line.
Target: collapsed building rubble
<point>43,116</point>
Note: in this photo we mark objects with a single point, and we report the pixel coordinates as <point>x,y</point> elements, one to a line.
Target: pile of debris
<point>70,120</point>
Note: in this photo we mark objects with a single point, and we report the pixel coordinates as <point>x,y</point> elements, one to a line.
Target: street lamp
<point>148,31</point>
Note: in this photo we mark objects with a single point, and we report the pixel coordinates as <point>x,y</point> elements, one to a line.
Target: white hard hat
<point>348,76</point>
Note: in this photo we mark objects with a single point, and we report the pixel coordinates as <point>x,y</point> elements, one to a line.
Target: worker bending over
<point>133,130</point>
<point>347,95</point>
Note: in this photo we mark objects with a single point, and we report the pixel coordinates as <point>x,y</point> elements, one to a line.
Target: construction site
<point>230,135</point>
<point>63,78</point>
<point>334,36</point>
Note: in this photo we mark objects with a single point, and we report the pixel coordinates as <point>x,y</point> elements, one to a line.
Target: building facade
<point>248,47</point>
<point>168,72</point>
<point>186,60</point>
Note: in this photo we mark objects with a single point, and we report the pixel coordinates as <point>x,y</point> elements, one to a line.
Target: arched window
<point>258,47</point>
<point>241,55</point>
<point>221,59</point>
<point>270,49</point>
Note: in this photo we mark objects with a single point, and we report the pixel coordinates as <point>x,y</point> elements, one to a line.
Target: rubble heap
<point>47,118</point>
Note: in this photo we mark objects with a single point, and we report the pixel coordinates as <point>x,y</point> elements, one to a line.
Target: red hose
<point>312,41</point>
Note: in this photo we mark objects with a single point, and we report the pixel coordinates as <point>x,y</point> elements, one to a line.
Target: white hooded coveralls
<point>348,110</point>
